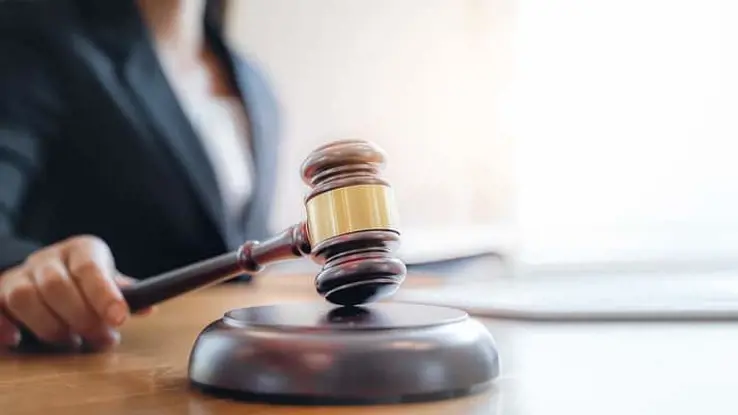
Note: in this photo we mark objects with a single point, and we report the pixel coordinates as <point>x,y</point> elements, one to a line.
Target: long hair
<point>215,13</point>
<point>104,10</point>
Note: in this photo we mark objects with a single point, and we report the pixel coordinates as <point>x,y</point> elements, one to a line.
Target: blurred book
<point>592,296</point>
<point>437,244</point>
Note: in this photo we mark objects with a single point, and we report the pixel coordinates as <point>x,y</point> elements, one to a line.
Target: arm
<point>63,292</point>
<point>29,106</point>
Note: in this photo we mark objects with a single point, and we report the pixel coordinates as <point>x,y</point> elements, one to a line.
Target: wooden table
<point>547,368</point>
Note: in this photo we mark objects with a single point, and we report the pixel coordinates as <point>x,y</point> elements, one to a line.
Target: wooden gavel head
<point>352,223</point>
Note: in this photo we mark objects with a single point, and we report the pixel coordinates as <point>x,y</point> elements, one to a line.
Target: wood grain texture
<point>670,368</point>
<point>147,373</point>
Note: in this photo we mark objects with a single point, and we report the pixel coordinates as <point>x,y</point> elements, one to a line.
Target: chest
<point>218,117</point>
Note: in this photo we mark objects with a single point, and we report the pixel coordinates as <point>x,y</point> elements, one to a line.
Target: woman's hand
<point>66,294</point>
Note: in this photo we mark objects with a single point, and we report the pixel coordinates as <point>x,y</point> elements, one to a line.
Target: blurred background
<point>552,133</point>
<point>420,78</point>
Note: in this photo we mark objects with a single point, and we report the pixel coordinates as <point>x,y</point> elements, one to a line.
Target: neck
<point>177,25</point>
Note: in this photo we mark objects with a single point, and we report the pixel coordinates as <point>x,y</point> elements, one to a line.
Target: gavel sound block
<point>356,347</point>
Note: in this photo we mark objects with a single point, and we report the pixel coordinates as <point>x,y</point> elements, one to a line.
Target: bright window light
<point>624,116</point>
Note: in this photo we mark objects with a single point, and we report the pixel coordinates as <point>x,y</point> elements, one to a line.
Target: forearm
<point>29,114</point>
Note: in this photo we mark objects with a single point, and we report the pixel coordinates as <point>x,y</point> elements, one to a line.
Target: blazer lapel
<point>151,90</point>
<point>152,94</point>
<point>262,111</point>
<point>121,31</point>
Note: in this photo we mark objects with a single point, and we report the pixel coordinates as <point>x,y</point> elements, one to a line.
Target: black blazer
<point>92,140</point>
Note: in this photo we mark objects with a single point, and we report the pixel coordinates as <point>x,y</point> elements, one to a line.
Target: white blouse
<point>222,127</point>
<point>223,130</point>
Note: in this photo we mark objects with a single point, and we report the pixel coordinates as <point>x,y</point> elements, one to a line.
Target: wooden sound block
<point>318,353</point>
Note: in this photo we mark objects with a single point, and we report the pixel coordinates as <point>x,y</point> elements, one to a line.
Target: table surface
<point>547,368</point>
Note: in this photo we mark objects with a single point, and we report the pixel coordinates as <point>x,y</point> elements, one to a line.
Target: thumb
<point>124,280</point>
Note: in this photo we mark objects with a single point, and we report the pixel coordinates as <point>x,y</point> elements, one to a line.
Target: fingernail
<point>104,340</point>
<point>117,314</point>
<point>75,340</point>
<point>67,342</point>
<point>146,312</point>
<point>11,339</point>
<point>115,337</point>
<point>109,340</point>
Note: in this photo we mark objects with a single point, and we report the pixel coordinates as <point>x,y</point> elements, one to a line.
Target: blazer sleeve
<point>29,108</point>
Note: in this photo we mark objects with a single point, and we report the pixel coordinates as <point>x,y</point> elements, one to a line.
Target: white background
<point>597,129</point>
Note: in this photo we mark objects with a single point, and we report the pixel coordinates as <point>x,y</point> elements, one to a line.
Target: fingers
<point>63,292</point>
<point>23,301</point>
<point>123,280</point>
<point>60,293</point>
<point>9,334</point>
<point>92,268</point>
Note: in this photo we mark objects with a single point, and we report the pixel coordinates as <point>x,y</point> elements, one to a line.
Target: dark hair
<point>96,10</point>
<point>215,12</point>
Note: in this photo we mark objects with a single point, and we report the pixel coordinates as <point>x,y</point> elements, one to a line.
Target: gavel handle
<point>173,283</point>
<point>251,257</point>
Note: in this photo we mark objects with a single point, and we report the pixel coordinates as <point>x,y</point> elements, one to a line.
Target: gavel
<point>351,230</point>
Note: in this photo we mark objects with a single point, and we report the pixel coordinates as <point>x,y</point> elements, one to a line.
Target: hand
<point>66,294</point>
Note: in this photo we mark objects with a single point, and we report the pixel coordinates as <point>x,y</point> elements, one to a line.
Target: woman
<point>132,141</point>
